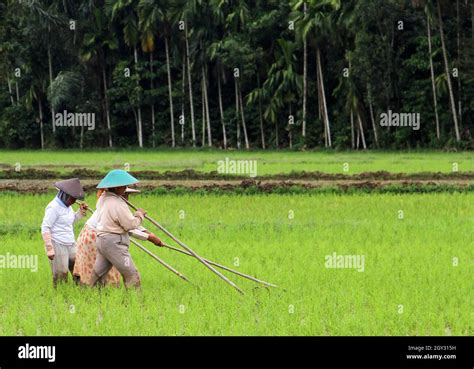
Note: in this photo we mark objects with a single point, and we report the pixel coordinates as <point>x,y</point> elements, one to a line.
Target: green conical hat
<point>117,178</point>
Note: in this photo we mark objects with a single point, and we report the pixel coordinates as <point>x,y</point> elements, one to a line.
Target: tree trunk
<point>323,93</point>
<point>290,136</point>
<point>152,105</point>
<point>433,84</point>
<point>459,62</point>
<point>221,108</point>
<point>81,138</point>
<point>276,134</point>
<point>237,105</point>
<point>352,129</point>
<point>361,128</point>
<point>372,118</point>
<point>260,113</point>
<point>50,67</point>
<point>206,102</point>
<point>170,93</point>
<point>305,78</point>
<point>136,118</point>
<point>203,104</point>
<point>190,86</point>
<point>448,74</point>
<point>10,92</point>
<point>139,109</point>
<point>183,98</point>
<point>107,109</point>
<point>17,92</point>
<point>242,114</point>
<point>40,110</point>
<point>318,84</point>
<point>358,137</point>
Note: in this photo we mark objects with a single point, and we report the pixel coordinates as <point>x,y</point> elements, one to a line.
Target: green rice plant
<point>416,280</point>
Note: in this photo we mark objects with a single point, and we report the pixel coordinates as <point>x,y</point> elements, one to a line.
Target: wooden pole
<point>167,266</point>
<point>223,267</point>
<point>155,223</point>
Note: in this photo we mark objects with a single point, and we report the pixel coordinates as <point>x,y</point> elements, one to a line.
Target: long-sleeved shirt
<point>138,233</point>
<point>113,215</point>
<point>59,220</point>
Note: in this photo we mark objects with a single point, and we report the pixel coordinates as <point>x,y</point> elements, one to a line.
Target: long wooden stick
<point>223,267</point>
<point>167,266</point>
<point>154,222</point>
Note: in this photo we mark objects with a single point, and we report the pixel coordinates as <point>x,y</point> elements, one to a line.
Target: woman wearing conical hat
<point>57,228</point>
<point>87,248</point>
<point>114,221</point>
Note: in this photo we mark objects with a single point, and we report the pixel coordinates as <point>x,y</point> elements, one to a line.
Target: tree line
<point>236,73</point>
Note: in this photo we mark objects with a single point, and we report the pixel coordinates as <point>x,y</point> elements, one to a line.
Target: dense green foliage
<point>111,58</point>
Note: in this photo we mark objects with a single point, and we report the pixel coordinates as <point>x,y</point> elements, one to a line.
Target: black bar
<point>239,352</point>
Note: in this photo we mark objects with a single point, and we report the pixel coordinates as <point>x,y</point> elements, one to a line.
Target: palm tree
<point>48,23</point>
<point>231,16</point>
<point>319,18</point>
<point>35,94</point>
<point>203,33</point>
<point>448,72</point>
<point>347,87</point>
<point>97,44</point>
<point>296,4</point>
<point>429,17</point>
<point>282,86</point>
<point>215,51</point>
<point>125,12</point>
<point>184,12</point>
<point>6,49</point>
<point>155,19</point>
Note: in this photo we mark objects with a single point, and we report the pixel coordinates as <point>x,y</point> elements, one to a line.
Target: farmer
<point>57,228</point>
<point>87,251</point>
<point>114,221</point>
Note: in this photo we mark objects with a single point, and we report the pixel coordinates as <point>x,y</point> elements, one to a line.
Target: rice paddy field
<point>269,162</point>
<point>412,252</point>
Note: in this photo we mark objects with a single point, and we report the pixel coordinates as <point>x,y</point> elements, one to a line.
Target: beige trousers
<point>63,262</point>
<point>112,250</point>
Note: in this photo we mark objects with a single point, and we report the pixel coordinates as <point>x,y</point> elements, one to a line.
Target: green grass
<point>269,162</point>
<point>408,262</point>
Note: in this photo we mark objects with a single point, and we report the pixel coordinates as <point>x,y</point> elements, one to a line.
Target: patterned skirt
<point>85,258</point>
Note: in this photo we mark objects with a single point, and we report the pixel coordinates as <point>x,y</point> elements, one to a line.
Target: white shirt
<point>59,221</point>
<point>136,233</point>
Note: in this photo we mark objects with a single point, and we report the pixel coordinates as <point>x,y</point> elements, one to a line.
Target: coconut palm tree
<point>448,71</point>
<point>48,23</point>
<point>282,86</point>
<point>125,13</point>
<point>155,20</point>
<point>429,21</point>
<point>317,23</point>
<point>184,12</point>
<point>98,43</point>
